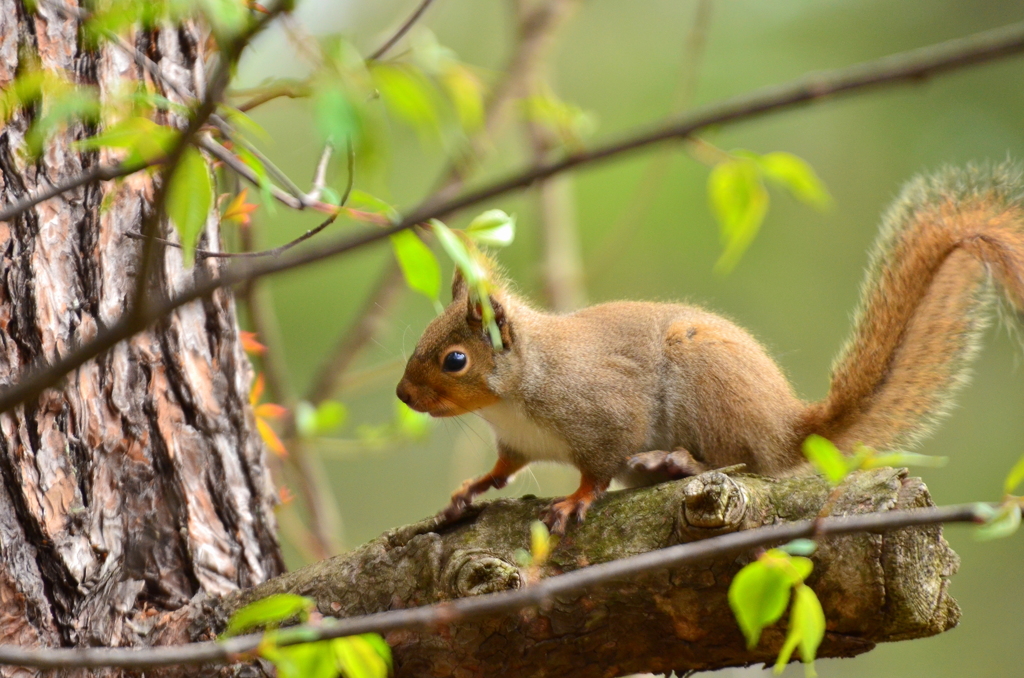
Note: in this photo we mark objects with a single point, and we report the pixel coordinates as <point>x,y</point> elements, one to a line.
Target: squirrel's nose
<point>403,392</point>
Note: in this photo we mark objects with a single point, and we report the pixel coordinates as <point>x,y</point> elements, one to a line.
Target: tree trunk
<point>141,481</point>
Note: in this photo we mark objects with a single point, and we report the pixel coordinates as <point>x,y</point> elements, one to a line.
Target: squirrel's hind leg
<point>658,466</point>
<point>557,516</point>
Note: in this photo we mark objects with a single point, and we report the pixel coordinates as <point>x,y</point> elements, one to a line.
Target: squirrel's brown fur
<point>627,388</point>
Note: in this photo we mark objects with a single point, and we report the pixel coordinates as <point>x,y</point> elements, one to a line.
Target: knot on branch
<point>474,572</point>
<point>713,501</point>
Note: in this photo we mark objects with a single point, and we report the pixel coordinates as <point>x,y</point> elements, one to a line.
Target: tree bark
<point>873,587</point>
<point>141,481</point>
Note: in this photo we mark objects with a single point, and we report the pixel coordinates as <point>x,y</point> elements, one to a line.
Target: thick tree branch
<point>912,66</point>
<point>643,590</point>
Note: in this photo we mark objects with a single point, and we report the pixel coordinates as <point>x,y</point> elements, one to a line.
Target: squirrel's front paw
<point>557,515</point>
<point>459,504</point>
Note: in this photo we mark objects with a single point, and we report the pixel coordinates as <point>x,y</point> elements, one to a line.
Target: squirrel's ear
<point>458,284</point>
<point>475,319</point>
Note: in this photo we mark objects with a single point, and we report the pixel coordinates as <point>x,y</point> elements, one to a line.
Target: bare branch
<point>97,173</point>
<point>913,66</point>
<point>281,249</point>
<point>218,84</point>
<point>402,30</point>
<point>296,200</point>
<point>292,91</point>
<point>320,176</point>
<point>491,604</point>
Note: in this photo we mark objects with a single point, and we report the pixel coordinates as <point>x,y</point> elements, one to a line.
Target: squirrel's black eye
<point>455,361</point>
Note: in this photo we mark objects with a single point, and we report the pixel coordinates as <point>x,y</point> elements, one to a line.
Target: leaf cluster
<point>362,656</point>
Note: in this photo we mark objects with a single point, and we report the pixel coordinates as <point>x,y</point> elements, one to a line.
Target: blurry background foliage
<point>680,229</point>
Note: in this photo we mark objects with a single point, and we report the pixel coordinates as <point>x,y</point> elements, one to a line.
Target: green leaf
<point>493,228</point>
<point>419,265</point>
<point>903,459</point>
<point>466,93</point>
<point>806,629</point>
<point>145,140</point>
<point>758,596</point>
<point>456,249</point>
<point>985,512</point>
<point>330,196</point>
<point>330,415</point>
<point>189,197</point>
<point>570,122</point>
<point>226,17</point>
<point>1014,478</point>
<point>335,115</point>
<point>1005,523</point>
<point>244,122</point>
<point>827,459</point>
<point>739,202</point>
<point>262,177</point>
<point>305,660</point>
<point>269,611</point>
<point>540,542</point>
<point>798,568</point>
<point>369,203</point>
<point>379,645</point>
<point>795,568</point>
<point>313,421</point>
<point>800,547</point>
<point>360,657</point>
<point>59,107</point>
<point>797,176</point>
<point>475,275</point>
<point>408,95</point>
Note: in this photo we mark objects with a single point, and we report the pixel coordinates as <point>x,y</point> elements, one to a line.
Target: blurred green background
<point>794,289</point>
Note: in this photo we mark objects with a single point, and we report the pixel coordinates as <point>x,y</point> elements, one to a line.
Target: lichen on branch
<point>873,587</point>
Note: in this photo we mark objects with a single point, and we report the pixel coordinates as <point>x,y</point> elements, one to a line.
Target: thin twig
<point>218,84</point>
<point>402,30</point>
<point>320,175</point>
<point>535,36</point>
<point>281,249</point>
<point>618,236</point>
<point>97,173</point>
<point>297,202</point>
<point>491,604</point>
<point>911,66</point>
<point>274,170</point>
<point>291,91</point>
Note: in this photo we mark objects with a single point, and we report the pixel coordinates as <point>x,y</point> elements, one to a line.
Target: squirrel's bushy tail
<point>924,304</point>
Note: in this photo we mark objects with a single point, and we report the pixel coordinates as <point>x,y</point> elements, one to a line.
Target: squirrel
<point>635,390</point>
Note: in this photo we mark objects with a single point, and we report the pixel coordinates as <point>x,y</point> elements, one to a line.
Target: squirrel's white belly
<point>518,431</point>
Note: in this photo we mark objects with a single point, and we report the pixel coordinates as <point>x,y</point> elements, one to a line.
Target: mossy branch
<point>874,587</point>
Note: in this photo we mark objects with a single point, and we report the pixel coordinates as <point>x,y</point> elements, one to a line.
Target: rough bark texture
<point>873,587</point>
<point>141,481</point>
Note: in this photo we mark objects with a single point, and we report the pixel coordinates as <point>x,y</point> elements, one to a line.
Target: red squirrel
<point>626,388</point>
